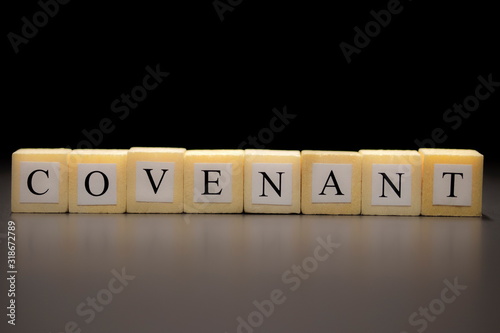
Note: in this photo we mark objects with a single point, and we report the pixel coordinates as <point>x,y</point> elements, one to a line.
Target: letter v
<point>155,187</point>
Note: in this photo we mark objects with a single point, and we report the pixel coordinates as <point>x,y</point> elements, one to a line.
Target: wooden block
<point>213,181</point>
<point>272,181</point>
<point>98,181</point>
<point>452,182</point>
<point>331,182</point>
<point>40,180</point>
<point>391,182</point>
<point>155,180</point>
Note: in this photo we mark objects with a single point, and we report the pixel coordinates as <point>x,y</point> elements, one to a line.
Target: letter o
<point>259,319</point>
<point>107,299</point>
<point>371,33</point>
<point>310,268</point>
<point>105,187</point>
<point>139,93</point>
<point>43,16</point>
<point>269,135</point>
<point>467,103</point>
<point>440,305</point>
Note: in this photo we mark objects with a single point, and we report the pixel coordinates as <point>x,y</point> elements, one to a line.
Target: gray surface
<point>199,273</point>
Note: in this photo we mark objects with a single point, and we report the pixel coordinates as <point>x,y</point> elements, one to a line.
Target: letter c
<point>317,255</point>
<point>112,288</point>
<point>479,95</point>
<point>146,84</point>
<point>445,298</point>
<point>30,181</point>
<point>273,126</point>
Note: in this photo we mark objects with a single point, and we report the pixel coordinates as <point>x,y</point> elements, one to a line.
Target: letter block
<point>331,182</point>
<point>452,182</point>
<point>272,181</point>
<point>213,181</point>
<point>391,182</point>
<point>98,181</point>
<point>155,180</point>
<point>40,181</point>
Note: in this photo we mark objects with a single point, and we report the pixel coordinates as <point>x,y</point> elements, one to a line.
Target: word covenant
<point>435,182</point>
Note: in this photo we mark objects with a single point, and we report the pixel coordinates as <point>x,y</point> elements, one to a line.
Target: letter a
<point>335,184</point>
<point>348,50</point>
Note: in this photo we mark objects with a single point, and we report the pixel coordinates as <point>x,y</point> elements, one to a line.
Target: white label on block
<point>213,182</point>
<point>39,182</point>
<point>391,184</point>
<point>452,185</point>
<point>331,183</point>
<point>97,184</point>
<point>154,181</point>
<point>272,183</point>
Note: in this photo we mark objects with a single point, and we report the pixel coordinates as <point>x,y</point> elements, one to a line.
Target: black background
<point>227,76</point>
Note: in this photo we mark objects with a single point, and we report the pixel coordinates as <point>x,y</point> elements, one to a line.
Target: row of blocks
<point>436,182</point>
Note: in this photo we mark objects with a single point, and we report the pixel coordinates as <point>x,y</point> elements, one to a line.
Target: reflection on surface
<point>372,243</point>
<point>212,267</point>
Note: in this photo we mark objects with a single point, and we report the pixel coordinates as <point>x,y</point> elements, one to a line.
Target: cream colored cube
<point>213,181</point>
<point>391,182</point>
<point>272,181</point>
<point>452,182</point>
<point>98,181</point>
<point>40,180</point>
<point>331,182</point>
<point>155,180</point>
